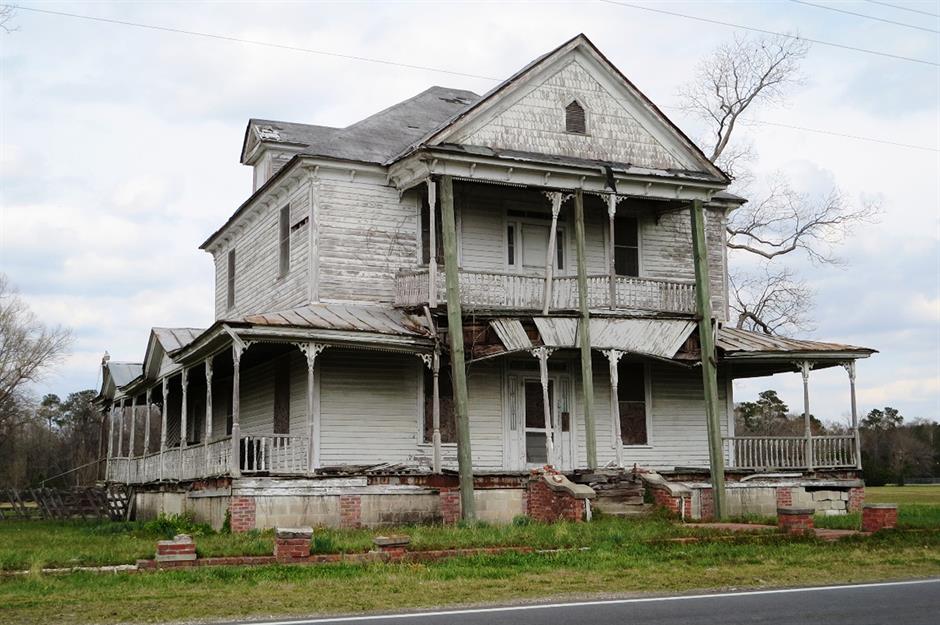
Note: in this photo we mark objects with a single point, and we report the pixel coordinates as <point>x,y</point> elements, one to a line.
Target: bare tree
<point>7,11</point>
<point>27,349</point>
<point>739,77</point>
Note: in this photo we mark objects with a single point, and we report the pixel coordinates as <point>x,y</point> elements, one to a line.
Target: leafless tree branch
<point>770,300</point>
<point>7,12</point>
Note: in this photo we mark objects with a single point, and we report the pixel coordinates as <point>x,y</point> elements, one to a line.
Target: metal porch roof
<point>376,319</point>
<point>735,342</point>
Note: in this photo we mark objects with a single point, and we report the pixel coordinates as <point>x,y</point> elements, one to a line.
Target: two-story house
<point>322,392</point>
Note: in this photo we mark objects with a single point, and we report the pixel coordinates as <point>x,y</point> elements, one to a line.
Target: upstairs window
<point>283,242</point>
<point>574,118</point>
<point>230,292</point>
<point>626,246</point>
<point>631,395</point>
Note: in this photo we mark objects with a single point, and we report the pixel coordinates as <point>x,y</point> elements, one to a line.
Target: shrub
<point>170,525</point>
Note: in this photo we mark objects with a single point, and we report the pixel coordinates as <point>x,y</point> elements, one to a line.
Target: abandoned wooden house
<point>555,239</point>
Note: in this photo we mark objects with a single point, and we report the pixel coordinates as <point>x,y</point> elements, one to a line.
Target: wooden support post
<point>147,404</point>
<point>184,417</point>
<point>611,265</point>
<point>709,362</point>
<point>120,453</point>
<point>542,353</point>
<point>164,413</point>
<point>805,366</point>
<point>432,243</point>
<point>584,333</point>
<point>613,357</point>
<point>455,335</point>
<point>850,369</point>
<point>235,461</point>
<point>133,434</point>
<point>550,253</point>
<point>436,410</point>
<point>107,464</point>
<point>208,432</point>
<point>311,351</point>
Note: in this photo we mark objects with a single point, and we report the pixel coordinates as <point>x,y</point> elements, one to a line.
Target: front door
<point>536,451</point>
<point>527,448</point>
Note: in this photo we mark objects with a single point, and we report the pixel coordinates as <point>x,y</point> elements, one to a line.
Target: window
<point>230,294</point>
<point>560,248</point>
<point>283,242</point>
<point>527,246</point>
<point>282,396</point>
<point>511,245</point>
<point>631,393</point>
<point>574,118</point>
<point>446,394</point>
<point>425,218</point>
<point>626,246</point>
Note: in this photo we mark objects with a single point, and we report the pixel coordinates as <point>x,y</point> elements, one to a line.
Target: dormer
<point>267,147</point>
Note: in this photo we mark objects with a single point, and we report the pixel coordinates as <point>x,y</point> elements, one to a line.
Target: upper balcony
<point>483,290</point>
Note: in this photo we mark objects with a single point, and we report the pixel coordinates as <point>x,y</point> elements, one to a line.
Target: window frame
<point>648,407</point>
<point>638,246</point>
<point>517,223</point>
<point>230,275</point>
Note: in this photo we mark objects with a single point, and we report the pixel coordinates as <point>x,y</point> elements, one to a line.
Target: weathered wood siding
<point>366,235</point>
<point>257,285</point>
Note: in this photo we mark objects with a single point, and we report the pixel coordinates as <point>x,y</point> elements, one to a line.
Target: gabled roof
<point>375,139</point>
<point>162,341</point>
<point>114,375</point>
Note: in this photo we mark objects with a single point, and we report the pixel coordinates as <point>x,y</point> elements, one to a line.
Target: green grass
<point>927,494</point>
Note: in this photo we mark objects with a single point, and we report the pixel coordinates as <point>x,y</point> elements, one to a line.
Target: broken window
<point>230,294</point>
<point>626,246</point>
<point>631,394</point>
<point>282,396</point>
<point>446,394</point>
<point>283,242</point>
<point>574,118</point>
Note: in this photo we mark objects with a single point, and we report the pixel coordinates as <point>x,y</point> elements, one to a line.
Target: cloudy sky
<point>119,148</point>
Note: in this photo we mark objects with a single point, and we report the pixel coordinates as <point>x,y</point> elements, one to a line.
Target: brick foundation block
<point>450,505</point>
<point>180,549</point>
<point>796,521</point>
<point>392,547</point>
<point>292,543</point>
<point>879,516</point>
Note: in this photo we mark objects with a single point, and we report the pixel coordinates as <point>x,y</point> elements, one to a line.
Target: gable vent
<point>574,118</point>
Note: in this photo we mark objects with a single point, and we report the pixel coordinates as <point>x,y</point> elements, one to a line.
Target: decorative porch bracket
<point>613,357</point>
<point>542,353</point>
<point>311,351</point>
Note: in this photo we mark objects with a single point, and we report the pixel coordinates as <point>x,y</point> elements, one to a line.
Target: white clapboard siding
<point>366,235</point>
<point>257,286</point>
<point>483,235</point>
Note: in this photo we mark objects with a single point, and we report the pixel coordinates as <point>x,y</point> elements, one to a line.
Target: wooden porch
<point>491,290</point>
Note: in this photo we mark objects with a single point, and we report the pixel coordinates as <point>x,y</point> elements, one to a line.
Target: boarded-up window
<point>426,233</point>
<point>631,393</point>
<point>626,246</point>
<point>282,396</point>
<point>230,280</point>
<point>283,242</point>
<point>446,391</point>
<point>574,118</point>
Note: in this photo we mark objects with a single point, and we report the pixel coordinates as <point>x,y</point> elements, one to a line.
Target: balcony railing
<point>485,290</point>
<point>770,453</point>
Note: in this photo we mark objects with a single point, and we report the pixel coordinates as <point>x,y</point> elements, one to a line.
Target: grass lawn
<point>926,494</point>
<point>608,555</point>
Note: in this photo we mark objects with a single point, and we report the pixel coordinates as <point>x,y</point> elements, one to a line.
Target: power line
<point>867,17</point>
<point>900,8</point>
<point>771,32</point>
<point>253,42</point>
<point>418,67</point>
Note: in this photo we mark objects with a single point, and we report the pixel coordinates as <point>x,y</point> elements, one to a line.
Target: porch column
<point>436,410</point>
<point>611,266</point>
<point>805,366</point>
<point>121,432</point>
<point>205,443</point>
<point>133,434</point>
<point>850,369</point>
<point>311,350</point>
<point>184,384</point>
<point>164,413</point>
<point>542,353</point>
<point>147,421</point>
<point>432,243</point>
<point>550,254</point>
<point>613,357</point>
<point>235,461</point>
<point>584,332</point>
<point>107,464</point>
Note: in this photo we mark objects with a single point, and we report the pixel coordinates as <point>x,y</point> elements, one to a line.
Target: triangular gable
<point>526,113</point>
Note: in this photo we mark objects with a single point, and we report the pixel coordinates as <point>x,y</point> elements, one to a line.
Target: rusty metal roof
<point>376,319</point>
<point>745,343</point>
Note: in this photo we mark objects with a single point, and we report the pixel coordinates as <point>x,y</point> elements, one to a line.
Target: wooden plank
<point>455,335</point>
<point>709,358</point>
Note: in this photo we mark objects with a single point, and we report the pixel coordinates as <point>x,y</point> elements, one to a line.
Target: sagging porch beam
<point>584,333</point>
<point>709,360</point>
<point>455,337</point>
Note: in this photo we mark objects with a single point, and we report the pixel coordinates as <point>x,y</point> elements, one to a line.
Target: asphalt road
<point>889,603</point>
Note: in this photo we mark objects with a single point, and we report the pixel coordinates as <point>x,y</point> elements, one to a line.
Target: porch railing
<point>481,289</point>
<point>273,453</point>
<point>219,457</point>
<point>791,452</point>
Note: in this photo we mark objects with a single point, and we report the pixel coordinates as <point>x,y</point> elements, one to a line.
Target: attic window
<point>574,118</point>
